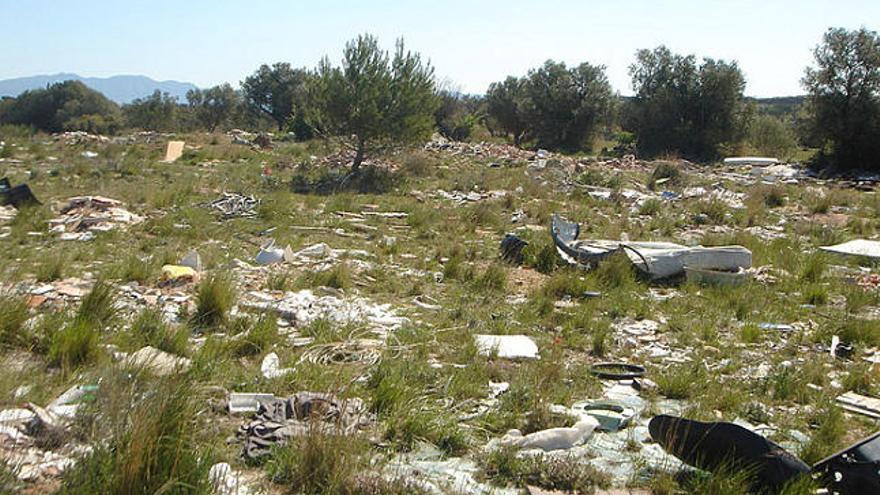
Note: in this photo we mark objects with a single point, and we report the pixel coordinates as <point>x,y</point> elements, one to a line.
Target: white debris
<point>304,307</point>
<point>271,367</point>
<point>553,438</point>
<point>750,160</point>
<point>856,247</point>
<point>226,481</point>
<point>159,362</point>
<point>507,346</point>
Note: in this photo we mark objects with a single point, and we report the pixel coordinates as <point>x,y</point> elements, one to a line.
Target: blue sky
<point>470,43</point>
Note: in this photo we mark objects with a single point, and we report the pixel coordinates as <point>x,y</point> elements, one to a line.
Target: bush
<point>772,137</point>
<point>64,106</point>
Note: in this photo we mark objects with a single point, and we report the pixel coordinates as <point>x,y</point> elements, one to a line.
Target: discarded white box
<point>856,247</point>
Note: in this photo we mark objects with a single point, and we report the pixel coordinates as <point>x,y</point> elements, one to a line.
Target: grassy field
<point>153,434</point>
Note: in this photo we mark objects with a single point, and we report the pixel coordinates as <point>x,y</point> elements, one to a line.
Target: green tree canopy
<point>278,92</point>
<point>373,99</point>
<point>64,106</point>
<point>557,106</point>
<point>213,107</point>
<point>685,108</point>
<point>844,97</point>
<point>157,112</point>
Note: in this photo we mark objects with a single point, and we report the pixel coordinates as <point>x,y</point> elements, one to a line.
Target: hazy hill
<point>121,89</point>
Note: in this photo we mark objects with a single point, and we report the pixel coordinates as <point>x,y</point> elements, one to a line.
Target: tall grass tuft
<point>215,296</point>
<point>13,316</point>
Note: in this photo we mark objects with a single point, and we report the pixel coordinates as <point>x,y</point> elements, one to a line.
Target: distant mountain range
<point>121,89</point>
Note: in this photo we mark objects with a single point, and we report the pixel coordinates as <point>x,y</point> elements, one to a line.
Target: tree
<point>214,106</point>
<point>771,136</point>
<point>504,107</point>
<point>680,107</point>
<point>456,114</point>
<point>373,100</point>
<point>844,97</point>
<point>157,112</point>
<point>565,107</point>
<point>64,106</point>
<point>278,93</point>
<point>557,106</point>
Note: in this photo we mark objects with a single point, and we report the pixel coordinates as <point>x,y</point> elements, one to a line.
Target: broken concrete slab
<point>156,361</point>
<point>857,247</point>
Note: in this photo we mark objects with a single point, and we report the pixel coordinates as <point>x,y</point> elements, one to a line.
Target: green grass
<point>215,296</point>
<point>13,316</point>
<point>504,466</point>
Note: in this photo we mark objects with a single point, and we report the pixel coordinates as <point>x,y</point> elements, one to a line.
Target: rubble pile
<point>83,216</point>
<point>234,205</point>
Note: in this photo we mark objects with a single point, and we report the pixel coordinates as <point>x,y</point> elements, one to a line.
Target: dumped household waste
<point>232,205</point>
<point>82,216</point>
<point>717,446</point>
<point>270,254</point>
<point>16,196</point>
<point>658,260</point>
<point>176,274</point>
<point>853,470</point>
<point>278,420</point>
<point>506,346</point>
<point>271,367</point>
<point>562,438</point>
<point>858,247</point>
<point>512,248</point>
<point>617,371</point>
<point>725,446</point>
<point>173,151</point>
<point>612,415</point>
<point>192,260</point>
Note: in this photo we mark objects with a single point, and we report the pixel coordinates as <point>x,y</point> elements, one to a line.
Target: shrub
<point>493,278</point>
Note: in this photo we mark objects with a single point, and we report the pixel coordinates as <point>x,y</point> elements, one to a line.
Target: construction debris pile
<point>234,205</point>
<point>84,216</point>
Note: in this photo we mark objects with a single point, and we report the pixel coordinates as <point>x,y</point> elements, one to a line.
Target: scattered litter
<point>552,438</point>
<point>270,255</point>
<point>617,371</point>
<point>16,196</point>
<point>226,481</point>
<point>507,346</point>
<point>174,274</point>
<point>277,421</point>
<point>192,260</point>
<point>612,415</point>
<point>271,367</point>
<point>512,248</point>
<point>238,403</point>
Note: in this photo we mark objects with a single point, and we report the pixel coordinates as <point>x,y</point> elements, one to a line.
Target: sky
<point>470,43</point>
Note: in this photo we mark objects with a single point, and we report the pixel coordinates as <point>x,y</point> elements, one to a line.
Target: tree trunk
<point>358,157</point>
